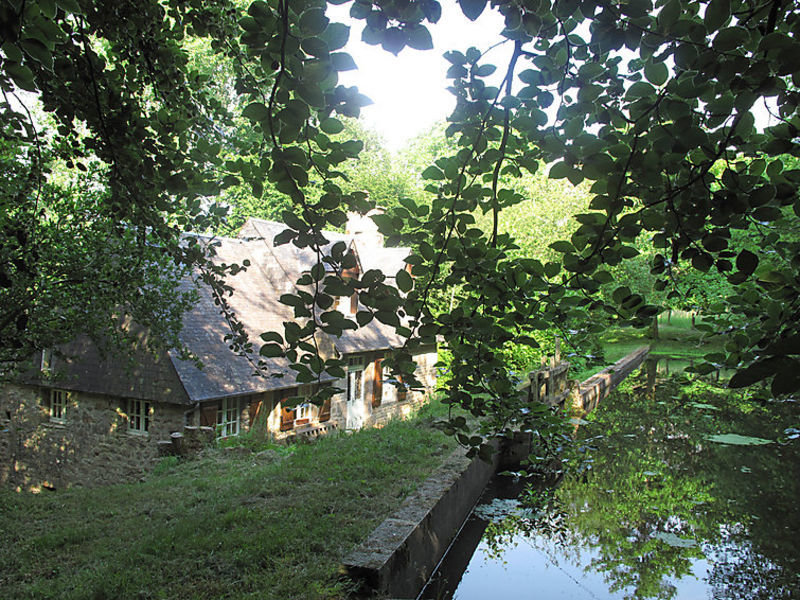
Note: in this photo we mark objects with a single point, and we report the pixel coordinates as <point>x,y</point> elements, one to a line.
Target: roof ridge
<point>257,220</point>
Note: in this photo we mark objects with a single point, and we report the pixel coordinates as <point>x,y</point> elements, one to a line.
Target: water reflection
<point>656,510</point>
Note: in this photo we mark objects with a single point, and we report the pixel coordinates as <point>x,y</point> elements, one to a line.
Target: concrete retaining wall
<point>400,555</point>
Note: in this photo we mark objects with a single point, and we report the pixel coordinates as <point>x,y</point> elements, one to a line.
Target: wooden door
<point>377,383</point>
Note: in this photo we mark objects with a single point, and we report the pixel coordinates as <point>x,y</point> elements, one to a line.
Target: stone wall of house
<point>392,408</point>
<point>93,447</point>
<point>426,369</point>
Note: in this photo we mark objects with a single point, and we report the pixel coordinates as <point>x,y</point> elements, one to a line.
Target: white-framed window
<point>356,362</point>
<point>387,388</point>
<point>228,417</point>
<point>59,400</point>
<point>306,411</point>
<point>139,413</point>
<point>355,379</point>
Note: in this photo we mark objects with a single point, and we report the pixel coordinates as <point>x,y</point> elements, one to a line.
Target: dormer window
<point>46,365</point>
<point>349,306</point>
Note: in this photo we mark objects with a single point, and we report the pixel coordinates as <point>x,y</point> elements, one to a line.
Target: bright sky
<point>409,90</point>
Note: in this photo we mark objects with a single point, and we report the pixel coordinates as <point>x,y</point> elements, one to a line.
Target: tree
<point>103,174</point>
<point>377,172</point>
<point>651,103</point>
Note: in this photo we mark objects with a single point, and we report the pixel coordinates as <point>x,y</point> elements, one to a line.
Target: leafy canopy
<point>651,103</point>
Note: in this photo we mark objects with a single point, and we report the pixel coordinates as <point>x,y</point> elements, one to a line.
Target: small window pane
<point>58,406</point>
<point>139,416</point>
<point>228,417</point>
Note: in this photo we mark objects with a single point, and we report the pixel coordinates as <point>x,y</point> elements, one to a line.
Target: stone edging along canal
<point>399,556</point>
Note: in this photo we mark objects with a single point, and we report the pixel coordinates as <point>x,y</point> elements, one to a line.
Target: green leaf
<point>433,173</point>
<point>272,336</point>
<point>472,9</point>
<point>318,272</point>
<point>336,36</point>
<point>715,243</point>
<point>342,61</point>
<point>621,293</point>
<point>315,46</point>
<point>404,281</point>
<point>12,52</point>
<point>729,38</point>
<point>271,350</point>
<point>331,126</point>
<point>313,21</point>
<point>559,170</point>
<point>746,262</point>
<point>656,73</point>
<point>38,51</point>
<point>734,439</point>
<point>256,111</point>
<point>393,40</point>
<point>702,261</point>
<point>753,374</point>
<point>71,6</point>
<point>562,246</point>
<point>419,38</point>
<point>484,70</point>
<point>717,14</point>
<point>22,76</point>
<point>702,406</point>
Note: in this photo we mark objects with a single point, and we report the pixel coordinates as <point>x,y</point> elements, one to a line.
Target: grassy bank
<point>230,524</point>
<point>676,338</point>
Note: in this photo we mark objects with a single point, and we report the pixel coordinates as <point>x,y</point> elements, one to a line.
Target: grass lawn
<point>227,525</point>
<point>677,338</point>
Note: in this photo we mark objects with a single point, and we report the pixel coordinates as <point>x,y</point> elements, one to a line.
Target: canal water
<point>678,489</point>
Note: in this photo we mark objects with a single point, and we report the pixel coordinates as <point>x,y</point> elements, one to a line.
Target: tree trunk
<point>654,328</point>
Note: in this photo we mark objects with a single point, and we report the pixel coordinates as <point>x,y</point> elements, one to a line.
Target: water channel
<point>681,491</point>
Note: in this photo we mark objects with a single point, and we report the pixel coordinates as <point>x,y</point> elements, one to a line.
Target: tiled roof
<point>272,272</point>
<point>141,374</point>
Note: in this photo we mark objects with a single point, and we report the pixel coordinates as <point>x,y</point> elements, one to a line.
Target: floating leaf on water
<point>498,509</point>
<point>746,470</point>
<point>702,405</point>
<point>578,421</point>
<point>792,433</point>
<point>675,541</point>
<point>650,473</point>
<point>734,439</point>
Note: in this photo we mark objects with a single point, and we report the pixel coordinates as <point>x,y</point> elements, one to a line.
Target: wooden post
<point>548,386</point>
<point>654,328</point>
<point>533,390</point>
<point>177,442</point>
<point>558,350</point>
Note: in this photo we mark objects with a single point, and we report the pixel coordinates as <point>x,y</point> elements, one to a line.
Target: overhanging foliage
<point>651,102</point>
